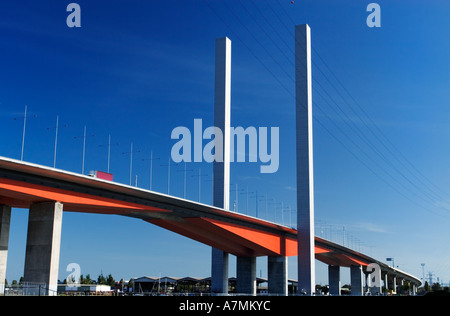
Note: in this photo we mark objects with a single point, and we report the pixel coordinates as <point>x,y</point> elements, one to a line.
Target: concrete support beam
<point>356,280</point>
<point>277,275</point>
<point>334,280</point>
<point>219,272</point>
<point>221,167</point>
<point>386,284</point>
<point>5,220</point>
<point>394,284</point>
<point>246,275</point>
<point>43,246</point>
<point>304,150</point>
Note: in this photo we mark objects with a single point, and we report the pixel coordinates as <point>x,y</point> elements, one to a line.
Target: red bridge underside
<point>232,238</point>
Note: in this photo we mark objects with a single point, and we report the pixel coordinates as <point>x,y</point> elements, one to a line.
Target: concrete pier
<point>43,247</point>
<point>5,220</point>
<point>219,272</point>
<point>246,275</point>
<point>334,280</point>
<point>394,284</point>
<point>356,280</point>
<point>277,275</point>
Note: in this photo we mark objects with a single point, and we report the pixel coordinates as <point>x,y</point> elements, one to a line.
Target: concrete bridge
<point>48,193</point>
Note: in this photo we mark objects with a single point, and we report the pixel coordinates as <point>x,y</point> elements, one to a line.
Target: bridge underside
<point>237,239</point>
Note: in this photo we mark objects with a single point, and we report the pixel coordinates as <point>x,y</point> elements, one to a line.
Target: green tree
<point>101,279</point>
<point>404,288</point>
<point>131,284</point>
<point>88,280</point>
<point>436,287</point>
<point>110,280</point>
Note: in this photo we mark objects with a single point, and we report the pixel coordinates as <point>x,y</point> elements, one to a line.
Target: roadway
<point>23,183</point>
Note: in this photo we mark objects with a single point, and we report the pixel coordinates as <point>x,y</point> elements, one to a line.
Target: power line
<point>369,119</point>
<point>344,117</point>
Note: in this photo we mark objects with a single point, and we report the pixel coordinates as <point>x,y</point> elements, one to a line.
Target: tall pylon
<point>304,151</point>
<point>221,168</point>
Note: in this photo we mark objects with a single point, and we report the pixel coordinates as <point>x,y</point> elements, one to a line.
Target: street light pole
<point>199,182</point>
<point>109,150</point>
<point>168,175</point>
<point>23,134</point>
<point>131,161</point>
<point>151,167</point>
<point>56,141</point>
<point>84,149</point>
<point>56,138</point>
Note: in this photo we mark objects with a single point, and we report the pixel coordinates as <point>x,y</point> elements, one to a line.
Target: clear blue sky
<point>135,70</point>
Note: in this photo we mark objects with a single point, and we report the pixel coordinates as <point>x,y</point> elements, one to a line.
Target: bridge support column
<point>334,280</point>
<point>394,284</point>
<point>356,280</point>
<point>246,275</point>
<point>5,219</point>
<point>221,166</point>
<point>305,172</point>
<point>43,247</point>
<point>277,275</point>
<point>219,272</point>
<point>386,284</point>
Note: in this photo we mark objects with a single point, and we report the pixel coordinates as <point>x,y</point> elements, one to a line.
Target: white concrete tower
<point>305,171</point>
<point>221,179</point>
<point>222,118</point>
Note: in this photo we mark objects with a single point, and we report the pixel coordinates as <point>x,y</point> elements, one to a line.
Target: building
<point>84,289</point>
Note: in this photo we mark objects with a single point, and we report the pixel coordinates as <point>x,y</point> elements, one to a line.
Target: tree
<point>131,284</point>
<point>110,280</point>
<point>436,287</point>
<point>101,279</point>
<point>404,288</point>
<point>88,279</point>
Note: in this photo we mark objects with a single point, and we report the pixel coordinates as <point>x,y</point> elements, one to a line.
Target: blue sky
<point>135,70</point>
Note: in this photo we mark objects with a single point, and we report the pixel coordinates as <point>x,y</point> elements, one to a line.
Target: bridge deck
<point>22,184</point>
